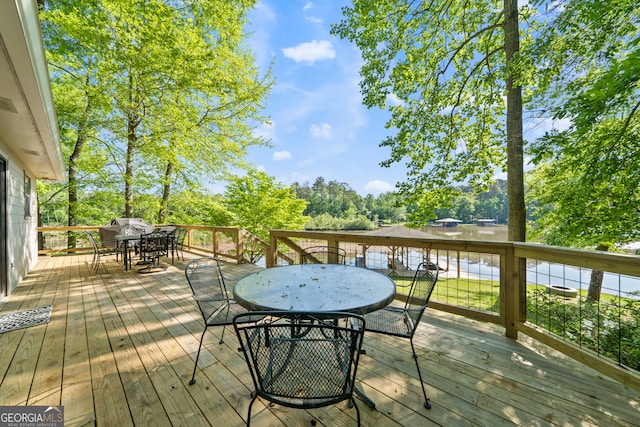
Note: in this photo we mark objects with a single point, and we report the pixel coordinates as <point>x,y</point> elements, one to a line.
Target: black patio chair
<point>178,241</point>
<point>300,359</point>
<point>402,321</point>
<point>210,292</point>
<point>100,249</point>
<point>323,255</point>
<point>153,246</point>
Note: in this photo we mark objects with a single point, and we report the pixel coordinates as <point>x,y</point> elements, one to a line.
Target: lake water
<point>542,273</point>
<point>470,232</point>
<point>487,267</point>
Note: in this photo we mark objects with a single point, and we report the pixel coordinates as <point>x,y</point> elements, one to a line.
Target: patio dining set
<point>301,326</point>
<point>122,236</point>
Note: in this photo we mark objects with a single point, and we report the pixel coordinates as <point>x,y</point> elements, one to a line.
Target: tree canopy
<point>258,203</point>
<point>586,183</point>
<point>443,70</point>
<point>168,89</point>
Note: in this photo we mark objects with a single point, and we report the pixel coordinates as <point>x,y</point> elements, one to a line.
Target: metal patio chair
<point>101,249</point>
<point>323,255</point>
<point>402,321</point>
<point>153,246</point>
<point>302,359</point>
<point>179,235</point>
<point>210,293</point>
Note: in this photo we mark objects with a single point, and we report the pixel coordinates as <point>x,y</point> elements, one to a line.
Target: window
<point>27,195</point>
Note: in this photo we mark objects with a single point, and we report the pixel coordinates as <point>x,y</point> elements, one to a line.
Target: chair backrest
<point>154,243</point>
<point>92,241</point>
<point>180,234</point>
<point>299,359</point>
<point>207,284</point>
<point>424,281</point>
<point>323,255</point>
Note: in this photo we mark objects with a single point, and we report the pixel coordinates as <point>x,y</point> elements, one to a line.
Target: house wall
<point>22,248</point>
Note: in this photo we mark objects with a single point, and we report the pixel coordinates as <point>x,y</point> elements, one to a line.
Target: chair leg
<point>352,402</point>
<point>253,399</point>
<point>424,393</point>
<point>195,365</point>
<point>222,336</point>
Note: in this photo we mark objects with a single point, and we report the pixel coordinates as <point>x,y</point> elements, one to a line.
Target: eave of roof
<point>28,123</point>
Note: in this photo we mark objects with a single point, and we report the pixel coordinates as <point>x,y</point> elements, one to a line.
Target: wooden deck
<point>120,346</point>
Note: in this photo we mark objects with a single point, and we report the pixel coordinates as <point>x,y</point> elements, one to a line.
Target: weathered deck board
<point>120,346</point>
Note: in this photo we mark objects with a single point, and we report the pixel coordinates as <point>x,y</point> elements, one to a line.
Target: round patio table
<point>316,288</point>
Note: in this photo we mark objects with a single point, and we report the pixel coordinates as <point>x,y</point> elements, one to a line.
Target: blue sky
<point>319,125</point>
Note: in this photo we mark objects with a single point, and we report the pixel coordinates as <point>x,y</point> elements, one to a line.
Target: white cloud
<point>310,52</point>
<point>281,155</point>
<point>393,99</point>
<point>377,187</point>
<point>323,131</point>
<point>313,19</point>
<point>300,177</point>
<point>266,131</point>
<point>310,18</point>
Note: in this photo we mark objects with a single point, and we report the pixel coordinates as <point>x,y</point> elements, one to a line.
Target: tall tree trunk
<point>128,177</point>
<point>515,156</point>
<point>595,285</point>
<point>81,137</point>
<point>166,191</point>
<point>133,120</point>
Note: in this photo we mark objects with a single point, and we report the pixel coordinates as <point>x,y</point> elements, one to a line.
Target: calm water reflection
<point>470,232</point>
<point>541,273</point>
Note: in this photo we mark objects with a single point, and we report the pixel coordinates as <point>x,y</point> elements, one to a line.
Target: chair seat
<point>390,321</point>
<point>223,312</point>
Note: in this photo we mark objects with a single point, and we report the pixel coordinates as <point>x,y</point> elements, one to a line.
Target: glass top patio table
<point>315,287</point>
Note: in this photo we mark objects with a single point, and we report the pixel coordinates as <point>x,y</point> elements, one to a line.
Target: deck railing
<point>537,290</point>
<point>525,287</point>
<point>231,243</point>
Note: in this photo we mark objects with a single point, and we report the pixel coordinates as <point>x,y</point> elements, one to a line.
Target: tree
<point>387,208</point>
<point>183,92</point>
<point>199,208</point>
<point>335,198</point>
<point>586,182</point>
<point>259,204</point>
<point>447,66</point>
<point>493,203</point>
<point>78,77</point>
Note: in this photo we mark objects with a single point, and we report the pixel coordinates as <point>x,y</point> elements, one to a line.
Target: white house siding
<point>22,248</point>
<point>29,136</point>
